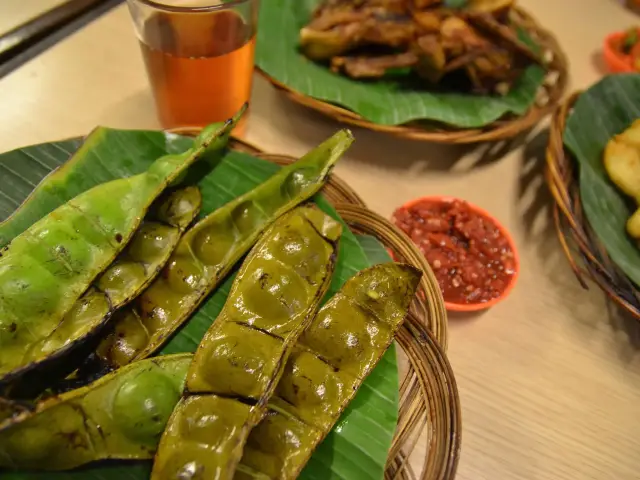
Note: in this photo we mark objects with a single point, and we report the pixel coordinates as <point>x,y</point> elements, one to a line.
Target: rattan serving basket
<point>428,392</point>
<point>587,256</point>
<point>505,128</point>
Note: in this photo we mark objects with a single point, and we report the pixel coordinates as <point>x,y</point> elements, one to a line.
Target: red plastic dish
<point>474,307</point>
<point>616,62</point>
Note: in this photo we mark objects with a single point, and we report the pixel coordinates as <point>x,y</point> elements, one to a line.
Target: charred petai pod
<point>209,250</point>
<point>134,268</point>
<point>45,269</point>
<point>241,358</point>
<point>329,363</point>
<point>121,416</point>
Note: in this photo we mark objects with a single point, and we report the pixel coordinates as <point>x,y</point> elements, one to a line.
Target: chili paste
<point>471,258</point>
<point>628,47</point>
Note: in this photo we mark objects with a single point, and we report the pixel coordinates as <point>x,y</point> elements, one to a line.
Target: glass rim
<point>176,9</point>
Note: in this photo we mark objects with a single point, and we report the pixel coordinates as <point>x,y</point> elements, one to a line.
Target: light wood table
<point>14,13</point>
<point>549,379</point>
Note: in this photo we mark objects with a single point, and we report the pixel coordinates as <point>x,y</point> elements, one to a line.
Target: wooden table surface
<point>549,379</point>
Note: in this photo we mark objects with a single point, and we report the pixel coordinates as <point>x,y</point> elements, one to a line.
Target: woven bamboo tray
<point>505,128</point>
<point>428,392</point>
<point>586,255</point>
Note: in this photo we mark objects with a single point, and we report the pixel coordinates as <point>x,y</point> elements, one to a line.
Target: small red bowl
<point>616,62</point>
<point>474,307</point>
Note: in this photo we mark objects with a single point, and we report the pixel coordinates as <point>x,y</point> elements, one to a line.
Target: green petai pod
<point>134,268</point>
<point>44,270</point>
<point>120,416</point>
<point>151,246</point>
<point>241,357</point>
<point>51,192</point>
<point>327,366</point>
<point>209,250</point>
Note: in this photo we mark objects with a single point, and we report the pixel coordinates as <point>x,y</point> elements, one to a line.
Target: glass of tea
<point>199,57</point>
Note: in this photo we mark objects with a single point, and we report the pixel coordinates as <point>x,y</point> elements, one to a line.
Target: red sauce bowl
<point>616,61</point>
<point>474,307</point>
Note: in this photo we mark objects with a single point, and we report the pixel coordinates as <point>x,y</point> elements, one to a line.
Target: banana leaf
<point>384,102</point>
<point>89,166</point>
<point>358,446</point>
<point>604,110</point>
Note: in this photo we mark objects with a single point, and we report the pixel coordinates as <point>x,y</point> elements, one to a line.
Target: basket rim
<point>502,129</point>
<point>572,227</point>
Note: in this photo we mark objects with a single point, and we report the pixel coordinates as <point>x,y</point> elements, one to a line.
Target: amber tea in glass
<point>199,57</point>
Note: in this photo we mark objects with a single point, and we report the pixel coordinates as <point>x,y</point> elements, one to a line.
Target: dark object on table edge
<point>590,260</point>
<point>23,36</point>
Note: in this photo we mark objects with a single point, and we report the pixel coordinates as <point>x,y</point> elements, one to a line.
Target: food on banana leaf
<point>622,163</point>
<point>45,269</point>
<point>329,363</point>
<point>130,406</point>
<point>367,39</point>
<point>208,251</point>
<point>151,246</point>
<point>241,358</point>
<point>134,268</point>
<point>120,416</point>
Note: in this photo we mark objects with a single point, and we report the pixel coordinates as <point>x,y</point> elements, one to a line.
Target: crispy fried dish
<point>622,163</point>
<point>368,38</point>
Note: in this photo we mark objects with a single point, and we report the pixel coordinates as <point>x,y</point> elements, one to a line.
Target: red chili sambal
<point>471,258</point>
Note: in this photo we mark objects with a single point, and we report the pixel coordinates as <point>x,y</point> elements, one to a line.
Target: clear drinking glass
<point>199,57</point>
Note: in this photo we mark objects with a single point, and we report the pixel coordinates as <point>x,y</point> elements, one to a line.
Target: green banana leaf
<point>89,167</point>
<point>383,102</point>
<point>357,448</point>
<point>604,110</point>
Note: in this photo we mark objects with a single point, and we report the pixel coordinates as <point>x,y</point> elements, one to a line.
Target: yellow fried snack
<point>622,163</point>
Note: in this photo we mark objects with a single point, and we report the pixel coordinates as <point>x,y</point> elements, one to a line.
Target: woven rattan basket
<point>505,128</point>
<point>428,393</point>
<point>587,256</point>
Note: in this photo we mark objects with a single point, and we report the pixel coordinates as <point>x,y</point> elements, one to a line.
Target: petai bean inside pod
<point>134,268</point>
<point>208,251</point>
<point>327,366</point>
<point>120,416</point>
<point>241,357</point>
<point>44,270</point>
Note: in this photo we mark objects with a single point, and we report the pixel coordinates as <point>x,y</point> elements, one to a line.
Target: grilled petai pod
<point>242,356</point>
<point>55,188</point>
<point>134,268</point>
<point>208,251</point>
<point>327,366</point>
<point>44,270</point>
<point>80,172</point>
<point>120,416</point>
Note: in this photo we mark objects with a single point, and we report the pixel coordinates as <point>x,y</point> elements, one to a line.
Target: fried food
<point>494,7</point>
<point>367,38</point>
<point>367,67</point>
<point>622,163</point>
